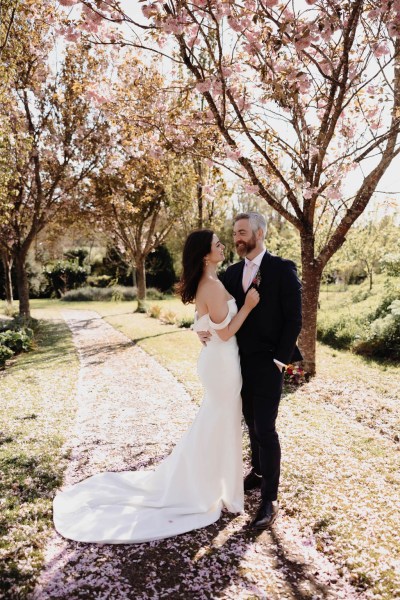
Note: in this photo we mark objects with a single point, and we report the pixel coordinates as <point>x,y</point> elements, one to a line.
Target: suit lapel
<point>238,286</point>
<point>265,261</point>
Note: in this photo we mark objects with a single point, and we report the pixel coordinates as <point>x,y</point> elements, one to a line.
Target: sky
<point>389,186</point>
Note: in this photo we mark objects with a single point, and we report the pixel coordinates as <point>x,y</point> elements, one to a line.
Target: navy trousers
<point>261,393</point>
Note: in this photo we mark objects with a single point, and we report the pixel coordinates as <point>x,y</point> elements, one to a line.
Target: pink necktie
<point>248,276</point>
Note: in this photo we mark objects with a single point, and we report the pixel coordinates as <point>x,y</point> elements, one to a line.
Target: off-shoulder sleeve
<point>222,325</point>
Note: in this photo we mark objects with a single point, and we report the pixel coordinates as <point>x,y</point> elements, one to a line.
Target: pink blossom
<point>150,10</point>
<point>72,35</point>
<point>171,25</point>
<point>67,2</point>
<point>234,24</point>
<point>380,50</point>
<point>251,189</point>
<point>233,154</point>
<point>333,193</point>
<point>302,43</point>
<point>394,29</point>
<point>203,86</point>
<point>308,193</point>
<point>208,191</point>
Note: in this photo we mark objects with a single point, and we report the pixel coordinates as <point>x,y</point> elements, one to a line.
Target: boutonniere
<point>257,279</point>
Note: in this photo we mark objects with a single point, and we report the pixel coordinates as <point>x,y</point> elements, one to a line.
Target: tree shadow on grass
<point>51,341</point>
<point>90,353</point>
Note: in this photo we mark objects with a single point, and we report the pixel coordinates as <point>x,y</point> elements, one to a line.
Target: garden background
<point>122,129</point>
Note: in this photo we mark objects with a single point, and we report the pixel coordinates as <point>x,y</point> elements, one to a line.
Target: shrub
<point>5,354</point>
<point>154,311</point>
<point>116,294</point>
<point>391,264</point>
<point>382,339</point>
<point>360,295</point>
<point>391,294</point>
<point>168,317</point>
<point>65,275</point>
<point>185,322</point>
<point>338,334</point>
<point>160,269</point>
<point>92,294</point>
<point>154,294</point>
<point>17,341</point>
<point>100,281</point>
<point>15,337</point>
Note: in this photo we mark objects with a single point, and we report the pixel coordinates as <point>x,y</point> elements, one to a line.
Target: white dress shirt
<point>250,270</point>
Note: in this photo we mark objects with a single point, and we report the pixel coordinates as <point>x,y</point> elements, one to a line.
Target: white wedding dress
<point>190,487</point>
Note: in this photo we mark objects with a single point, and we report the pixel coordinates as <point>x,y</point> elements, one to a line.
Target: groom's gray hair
<point>257,221</point>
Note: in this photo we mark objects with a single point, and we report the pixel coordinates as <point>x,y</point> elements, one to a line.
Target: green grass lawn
<point>37,407</point>
<point>340,473</point>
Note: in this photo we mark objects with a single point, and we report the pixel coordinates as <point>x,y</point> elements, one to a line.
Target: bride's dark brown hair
<point>197,246</point>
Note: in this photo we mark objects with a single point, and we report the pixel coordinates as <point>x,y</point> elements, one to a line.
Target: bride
<point>203,473</point>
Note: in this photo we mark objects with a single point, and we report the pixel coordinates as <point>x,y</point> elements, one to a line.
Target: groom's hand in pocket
<point>281,366</point>
<point>204,337</point>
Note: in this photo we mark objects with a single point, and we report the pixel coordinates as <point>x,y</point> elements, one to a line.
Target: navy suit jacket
<point>275,323</point>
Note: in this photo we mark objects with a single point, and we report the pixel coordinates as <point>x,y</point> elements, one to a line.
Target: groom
<point>267,343</point>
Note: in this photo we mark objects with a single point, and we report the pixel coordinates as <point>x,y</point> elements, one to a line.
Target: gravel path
<point>131,411</point>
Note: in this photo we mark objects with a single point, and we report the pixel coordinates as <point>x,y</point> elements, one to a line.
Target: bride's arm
<point>219,312</point>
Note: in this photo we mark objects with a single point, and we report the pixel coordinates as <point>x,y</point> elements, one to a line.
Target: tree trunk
<point>7,264</point>
<point>141,284</point>
<point>370,280</point>
<point>199,195</point>
<point>22,286</point>
<point>199,190</point>
<point>311,281</point>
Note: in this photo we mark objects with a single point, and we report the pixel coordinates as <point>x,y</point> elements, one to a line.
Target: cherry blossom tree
<point>301,98</point>
<point>148,181</point>
<point>304,95</point>
<point>52,137</point>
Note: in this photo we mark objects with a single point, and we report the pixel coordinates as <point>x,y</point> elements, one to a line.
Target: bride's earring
<point>206,262</point>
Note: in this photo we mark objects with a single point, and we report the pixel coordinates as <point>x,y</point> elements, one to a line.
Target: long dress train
<point>189,488</point>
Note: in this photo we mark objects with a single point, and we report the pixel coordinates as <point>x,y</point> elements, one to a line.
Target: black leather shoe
<point>252,481</point>
<point>266,515</point>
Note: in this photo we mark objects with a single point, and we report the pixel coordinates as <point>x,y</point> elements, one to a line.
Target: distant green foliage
<point>100,281</point>
<point>160,271</point>
<point>391,264</point>
<point>65,275</point>
<point>360,295</point>
<point>375,334</point>
<point>391,294</point>
<point>77,254</point>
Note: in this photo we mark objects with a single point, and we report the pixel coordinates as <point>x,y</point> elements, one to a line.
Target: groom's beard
<point>243,248</point>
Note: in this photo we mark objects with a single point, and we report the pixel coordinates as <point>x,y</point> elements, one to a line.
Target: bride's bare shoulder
<point>213,286</point>
<point>210,290</point>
